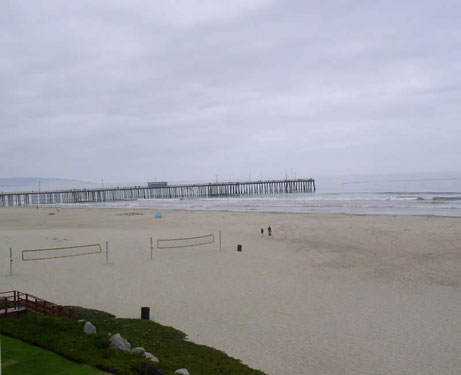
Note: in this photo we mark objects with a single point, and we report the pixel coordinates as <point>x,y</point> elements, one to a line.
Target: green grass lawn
<point>19,358</point>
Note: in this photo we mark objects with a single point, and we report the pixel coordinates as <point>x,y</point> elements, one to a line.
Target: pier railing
<point>218,189</point>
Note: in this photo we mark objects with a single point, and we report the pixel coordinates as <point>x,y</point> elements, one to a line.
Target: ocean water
<point>413,194</point>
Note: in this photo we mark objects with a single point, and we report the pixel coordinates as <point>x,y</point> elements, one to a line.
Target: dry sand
<point>326,294</point>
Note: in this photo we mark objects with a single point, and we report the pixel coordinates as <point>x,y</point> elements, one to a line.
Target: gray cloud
<point>184,91</point>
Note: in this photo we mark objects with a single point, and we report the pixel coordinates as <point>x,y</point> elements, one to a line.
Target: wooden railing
<point>14,301</point>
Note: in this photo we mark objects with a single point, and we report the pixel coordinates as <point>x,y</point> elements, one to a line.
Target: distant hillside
<point>34,183</point>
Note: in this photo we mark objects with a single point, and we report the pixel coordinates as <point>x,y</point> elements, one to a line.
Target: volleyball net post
<point>107,253</point>
<point>151,248</point>
<point>11,261</point>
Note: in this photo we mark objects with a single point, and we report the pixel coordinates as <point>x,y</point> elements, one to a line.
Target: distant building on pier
<point>159,184</point>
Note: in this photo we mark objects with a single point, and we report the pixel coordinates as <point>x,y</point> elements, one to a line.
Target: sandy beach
<point>325,294</point>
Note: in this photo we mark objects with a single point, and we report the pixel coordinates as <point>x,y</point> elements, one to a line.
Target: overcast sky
<point>187,90</point>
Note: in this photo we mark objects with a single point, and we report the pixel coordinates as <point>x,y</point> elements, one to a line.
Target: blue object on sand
<point>158,216</point>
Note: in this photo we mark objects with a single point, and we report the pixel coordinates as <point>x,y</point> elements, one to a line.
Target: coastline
<point>326,294</point>
<point>348,204</point>
<point>76,206</point>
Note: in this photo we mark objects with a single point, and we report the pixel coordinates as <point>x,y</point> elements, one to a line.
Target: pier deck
<point>218,189</point>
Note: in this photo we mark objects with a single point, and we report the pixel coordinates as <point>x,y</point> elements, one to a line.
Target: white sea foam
<point>356,204</point>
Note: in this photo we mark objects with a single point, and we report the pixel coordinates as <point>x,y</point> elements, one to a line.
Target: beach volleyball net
<point>60,252</point>
<point>174,243</point>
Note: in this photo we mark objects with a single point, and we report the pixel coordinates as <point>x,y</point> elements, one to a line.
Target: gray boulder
<point>117,342</point>
<point>152,357</point>
<point>182,371</point>
<point>89,328</point>
<point>138,350</point>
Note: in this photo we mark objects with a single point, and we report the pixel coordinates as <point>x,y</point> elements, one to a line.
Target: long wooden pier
<point>221,189</point>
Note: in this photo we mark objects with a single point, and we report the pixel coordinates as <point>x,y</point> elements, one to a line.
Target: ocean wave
<point>446,198</point>
<point>418,193</point>
<point>415,203</point>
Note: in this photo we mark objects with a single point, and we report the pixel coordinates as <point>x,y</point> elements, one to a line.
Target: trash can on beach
<point>239,247</point>
<point>145,312</point>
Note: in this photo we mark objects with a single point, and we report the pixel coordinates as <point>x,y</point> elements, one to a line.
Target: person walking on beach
<point>262,232</point>
<point>269,231</point>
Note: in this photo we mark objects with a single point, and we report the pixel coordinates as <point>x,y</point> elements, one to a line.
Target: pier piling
<point>221,189</point>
